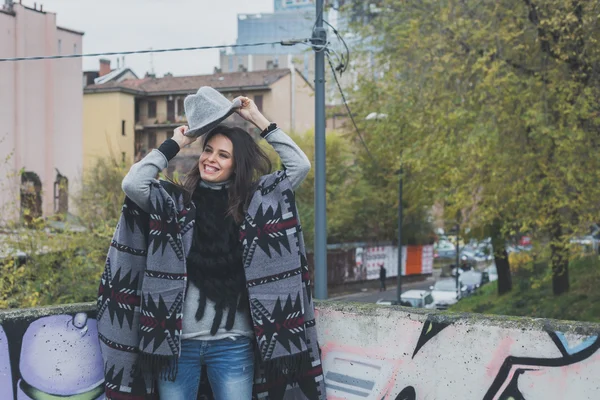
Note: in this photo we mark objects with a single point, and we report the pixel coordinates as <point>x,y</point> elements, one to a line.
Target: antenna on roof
<point>151,62</point>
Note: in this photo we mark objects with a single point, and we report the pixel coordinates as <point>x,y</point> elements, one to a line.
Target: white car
<point>444,293</point>
<point>492,273</point>
<point>416,298</point>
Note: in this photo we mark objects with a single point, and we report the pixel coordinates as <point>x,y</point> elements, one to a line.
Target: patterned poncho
<point>141,294</point>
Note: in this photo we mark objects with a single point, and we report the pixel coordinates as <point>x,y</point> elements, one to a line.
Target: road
<point>372,295</point>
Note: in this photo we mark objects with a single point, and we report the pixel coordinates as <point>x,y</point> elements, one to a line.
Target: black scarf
<point>214,263</point>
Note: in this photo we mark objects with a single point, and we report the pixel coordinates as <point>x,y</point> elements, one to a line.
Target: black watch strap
<point>169,148</point>
<point>272,126</point>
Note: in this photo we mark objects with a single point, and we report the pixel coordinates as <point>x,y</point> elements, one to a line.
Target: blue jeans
<point>230,369</point>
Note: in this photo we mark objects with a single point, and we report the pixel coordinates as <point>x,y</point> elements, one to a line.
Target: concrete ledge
<point>389,352</point>
<point>368,352</point>
<point>34,313</point>
<point>422,315</point>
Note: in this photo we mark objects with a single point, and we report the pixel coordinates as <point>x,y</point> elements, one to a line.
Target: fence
<point>359,262</point>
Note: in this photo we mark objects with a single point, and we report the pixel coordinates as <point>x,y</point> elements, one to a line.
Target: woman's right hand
<point>180,138</point>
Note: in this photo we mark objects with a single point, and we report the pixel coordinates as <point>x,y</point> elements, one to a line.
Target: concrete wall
<point>102,134</point>
<point>369,352</point>
<point>372,352</point>
<point>41,101</point>
<point>9,186</point>
<point>50,353</point>
<point>278,104</point>
<point>67,98</point>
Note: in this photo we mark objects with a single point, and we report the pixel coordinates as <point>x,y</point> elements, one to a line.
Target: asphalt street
<point>372,295</point>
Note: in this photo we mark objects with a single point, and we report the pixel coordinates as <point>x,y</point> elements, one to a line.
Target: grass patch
<point>532,295</point>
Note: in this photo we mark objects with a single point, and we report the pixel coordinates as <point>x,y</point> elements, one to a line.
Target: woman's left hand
<point>250,112</point>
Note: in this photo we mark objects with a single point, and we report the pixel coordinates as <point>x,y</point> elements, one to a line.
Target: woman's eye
<point>224,156</point>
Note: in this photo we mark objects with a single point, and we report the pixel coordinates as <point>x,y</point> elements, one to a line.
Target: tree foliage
<point>495,107</point>
<point>50,263</point>
<point>362,197</point>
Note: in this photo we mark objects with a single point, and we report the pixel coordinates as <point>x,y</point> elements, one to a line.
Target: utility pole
<point>399,279</point>
<point>319,40</point>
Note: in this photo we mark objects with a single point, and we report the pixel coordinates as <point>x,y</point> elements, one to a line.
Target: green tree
<point>362,196</point>
<point>63,263</point>
<point>499,104</point>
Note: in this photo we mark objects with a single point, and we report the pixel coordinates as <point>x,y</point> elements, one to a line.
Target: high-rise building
<point>287,5</point>
<point>292,19</point>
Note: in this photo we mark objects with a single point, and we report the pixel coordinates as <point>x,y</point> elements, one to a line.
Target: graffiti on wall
<point>375,355</point>
<point>439,359</point>
<point>51,357</point>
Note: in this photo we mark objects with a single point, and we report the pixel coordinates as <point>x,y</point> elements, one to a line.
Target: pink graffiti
<point>502,351</point>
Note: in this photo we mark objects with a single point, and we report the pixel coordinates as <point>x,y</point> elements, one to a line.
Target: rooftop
<point>190,84</point>
<point>114,74</point>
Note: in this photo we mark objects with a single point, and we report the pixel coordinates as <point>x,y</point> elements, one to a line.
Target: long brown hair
<point>249,163</point>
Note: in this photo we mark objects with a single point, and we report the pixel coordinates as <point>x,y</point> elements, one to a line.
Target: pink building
<point>41,111</point>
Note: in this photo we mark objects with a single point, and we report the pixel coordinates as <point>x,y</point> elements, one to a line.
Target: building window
<point>75,48</point>
<point>123,157</point>
<point>152,140</point>
<point>59,46</point>
<point>180,108</point>
<point>170,110</point>
<point>258,100</point>
<point>123,128</point>
<point>151,109</point>
<point>137,111</point>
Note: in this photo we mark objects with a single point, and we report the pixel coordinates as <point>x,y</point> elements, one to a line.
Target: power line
<point>290,42</point>
<point>345,62</point>
<point>349,111</point>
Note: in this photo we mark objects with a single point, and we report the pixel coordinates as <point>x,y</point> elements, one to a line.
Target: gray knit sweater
<point>136,186</point>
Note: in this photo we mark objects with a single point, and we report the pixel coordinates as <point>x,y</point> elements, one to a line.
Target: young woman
<point>217,330</point>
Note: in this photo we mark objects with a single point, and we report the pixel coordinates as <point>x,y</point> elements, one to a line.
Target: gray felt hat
<point>206,109</point>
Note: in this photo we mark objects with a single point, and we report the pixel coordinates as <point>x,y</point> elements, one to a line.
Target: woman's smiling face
<point>216,161</point>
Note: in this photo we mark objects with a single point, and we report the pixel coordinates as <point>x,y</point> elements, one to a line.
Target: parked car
<point>444,293</point>
<point>464,266</point>
<point>472,281</point>
<point>445,253</point>
<point>418,298</point>
<point>492,273</point>
<point>412,298</point>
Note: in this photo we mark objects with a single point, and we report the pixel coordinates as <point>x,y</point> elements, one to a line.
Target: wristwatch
<point>272,126</point>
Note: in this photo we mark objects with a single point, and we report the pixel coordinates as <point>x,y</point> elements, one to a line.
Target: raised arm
<point>293,158</point>
<point>142,174</point>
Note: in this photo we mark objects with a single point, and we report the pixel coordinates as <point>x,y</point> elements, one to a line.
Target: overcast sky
<point>121,25</point>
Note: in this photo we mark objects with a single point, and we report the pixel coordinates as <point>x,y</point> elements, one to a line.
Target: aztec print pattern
<point>275,263</point>
<point>140,301</point>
